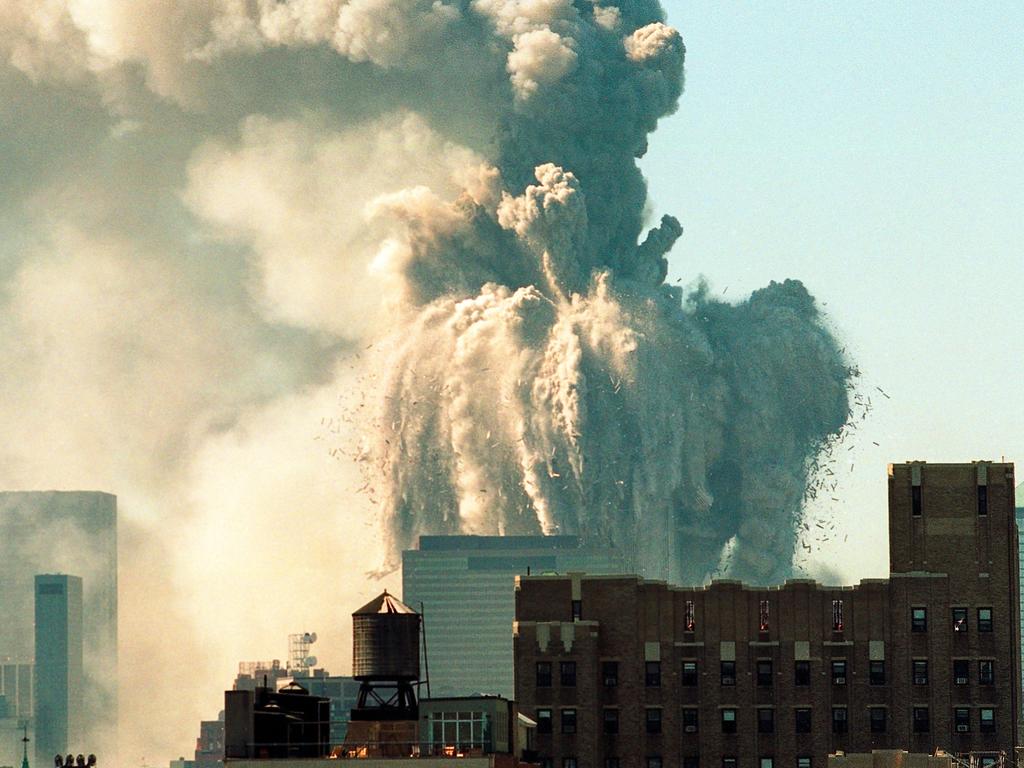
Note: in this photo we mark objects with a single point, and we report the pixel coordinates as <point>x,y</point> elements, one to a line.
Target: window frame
<point>916,720</point>
<point>610,721</point>
<point>728,723</point>
<point>839,668</point>
<point>801,673</point>
<point>652,674</point>
<point>918,623</point>
<point>765,724</point>
<point>962,665</point>
<point>544,679</point>
<point>985,624</point>
<point>610,674</point>
<point>840,725</point>
<point>691,714</point>
<point>568,720</point>
<point>919,671</point>
<point>545,722</point>
<point>691,678</point>
<point>567,674</point>
<point>986,672</point>
<point>878,724</point>
<point>764,675</point>
<point>876,672</point>
<point>990,725</point>
<point>803,720</point>
<point>961,719</point>
<point>653,719</point>
<point>959,619</point>
<point>730,677</point>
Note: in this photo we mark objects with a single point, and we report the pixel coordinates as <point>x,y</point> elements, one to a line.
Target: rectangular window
<point>652,720</point>
<point>766,720</point>
<point>543,721</point>
<point>878,718</point>
<point>728,762</point>
<point>577,610</point>
<point>763,616</point>
<point>915,501</point>
<point>961,720</point>
<point>837,616</point>
<point>610,673</point>
<point>984,619</point>
<point>654,761</point>
<point>802,673</point>
<point>918,619</point>
<point>652,674</point>
<point>728,670</point>
<point>803,761</point>
<point>919,671</point>
<point>767,762</point>
<point>543,674</point>
<point>922,724</point>
<point>691,720</point>
<point>803,720</point>
<point>567,670</point>
<point>689,673</point>
<point>689,617</point>
<point>839,720</point>
<point>568,762</point>
<point>568,721</point>
<point>691,761</point>
<point>876,672</point>
<point>960,672</point>
<point>611,722</point>
<point>959,619</point>
<point>986,672</point>
<point>764,672</point>
<point>982,499</point>
<point>839,672</point>
<point>988,720</point>
<point>728,721</point>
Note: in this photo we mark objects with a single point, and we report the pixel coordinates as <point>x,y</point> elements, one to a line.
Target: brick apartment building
<point>625,673</point>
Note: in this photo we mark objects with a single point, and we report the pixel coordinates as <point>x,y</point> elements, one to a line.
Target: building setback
<point>59,690</point>
<point>626,673</point>
<point>466,585</point>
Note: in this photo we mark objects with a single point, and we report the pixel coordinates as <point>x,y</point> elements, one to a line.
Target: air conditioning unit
<point>839,681</point>
<point>726,680</point>
<point>961,681</point>
<point>690,729</point>
<point>920,680</point>
<point>962,729</point>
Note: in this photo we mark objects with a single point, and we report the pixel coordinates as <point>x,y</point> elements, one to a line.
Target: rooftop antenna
<point>24,744</point>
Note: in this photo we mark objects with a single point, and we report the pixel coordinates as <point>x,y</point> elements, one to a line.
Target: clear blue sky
<point>875,151</point>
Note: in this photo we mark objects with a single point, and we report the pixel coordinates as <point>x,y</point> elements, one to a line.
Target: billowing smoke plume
<point>548,380</point>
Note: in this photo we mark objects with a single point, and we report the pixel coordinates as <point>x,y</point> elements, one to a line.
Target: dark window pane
<point>838,719</point>
<point>961,720</point>
<point>654,761</point>
<point>839,672</point>
<point>653,720</point>
<point>987,672</point>
<point>611,762</point>
<point>568,721</point>
<point>876,672</point>
<point>543,721</point>
<point>577,610</point>
<point>691,761</point>
<point>961,673</point>
<point>802,673</point>
<point>568,673</point>
<point>959,619</point>
<point>920,671</point>
<point>878,718</point>
<point>611,721</point>
<point>691,722</point>
<point>766,721</point>
<point>984,619</point>
<point>689,673</point>
<point>915,501</point>
<point>803,720</point>
<point>918,619</point>
<point>728,762</point>
<point>982,499</point>
<point>610,673</point>
<point>652,674</point>
<point>764,672</point>
<point>728,673</point>
<point>921,720</point>
<point>543,674</point>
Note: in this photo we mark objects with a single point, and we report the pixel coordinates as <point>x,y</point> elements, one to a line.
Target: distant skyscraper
<point>54,532</point>
<point>59,685</point>
<point>1020,544</point>
<point>467,587</point>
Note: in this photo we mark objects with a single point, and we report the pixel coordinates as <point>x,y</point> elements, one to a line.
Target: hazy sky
<point>177,182</point>
<point>875,151</point>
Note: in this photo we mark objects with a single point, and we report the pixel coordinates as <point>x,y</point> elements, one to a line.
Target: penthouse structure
<point>625,673</point>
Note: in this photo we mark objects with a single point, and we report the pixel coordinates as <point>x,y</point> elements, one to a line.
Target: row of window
<point>919,619</point>
<point>728,761</point>
<point>764,673</point>
<point>802,722</point>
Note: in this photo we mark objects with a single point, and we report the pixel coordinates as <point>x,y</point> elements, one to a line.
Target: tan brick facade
<point>953,545</point>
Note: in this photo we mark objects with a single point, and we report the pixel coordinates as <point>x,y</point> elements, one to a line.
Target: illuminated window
<point>959,619</point>
<point>763,616</point>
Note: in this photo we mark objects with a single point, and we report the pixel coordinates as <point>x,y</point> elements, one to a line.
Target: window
<point>839,672</point>
<point>920,671</point>
<point>803,720</point>
<point>654,761</point>
<point>766,720</point>
<point>568,762</point>
<point>877,716</point>
<point>689,673</point>
<point>984,619</point>
<point>876,672</point>
<point>652,674</point>
<point>567,671</point>
<point>803,761</point>
<point>546,762</point>
<point>543,721</point>
<point>577,610</point>
<point>802,673</point>
<point>837,616</point>
<point>728,762</point>
<point>568,721</point>
<point>961,720</point>
<point>764,672</point>
<point>915,501</point>
<point>766,762</point>
<point>987,760</point>
<point>689,618</point>
<point>465,728</point>
<point>959,619</point>
<point>838,719</point>
<point>543,674</point>
<point>960,672</point>
<point>918,619</point>
<point>728,721</point>
<point>691,723</point>
<point>611,762</point>
<point>763,616</point>
<point>728,673</point>
<point>610,673</point>
<point>611,722</point>
<point>691,761</point>
<point>921,721</point>
<point>988,720</point>
<point>986,672</point>
<point>652,720</point>
<point>982,499</point>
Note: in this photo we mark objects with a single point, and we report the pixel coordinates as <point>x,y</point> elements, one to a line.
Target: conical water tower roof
<point>384,603</point>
